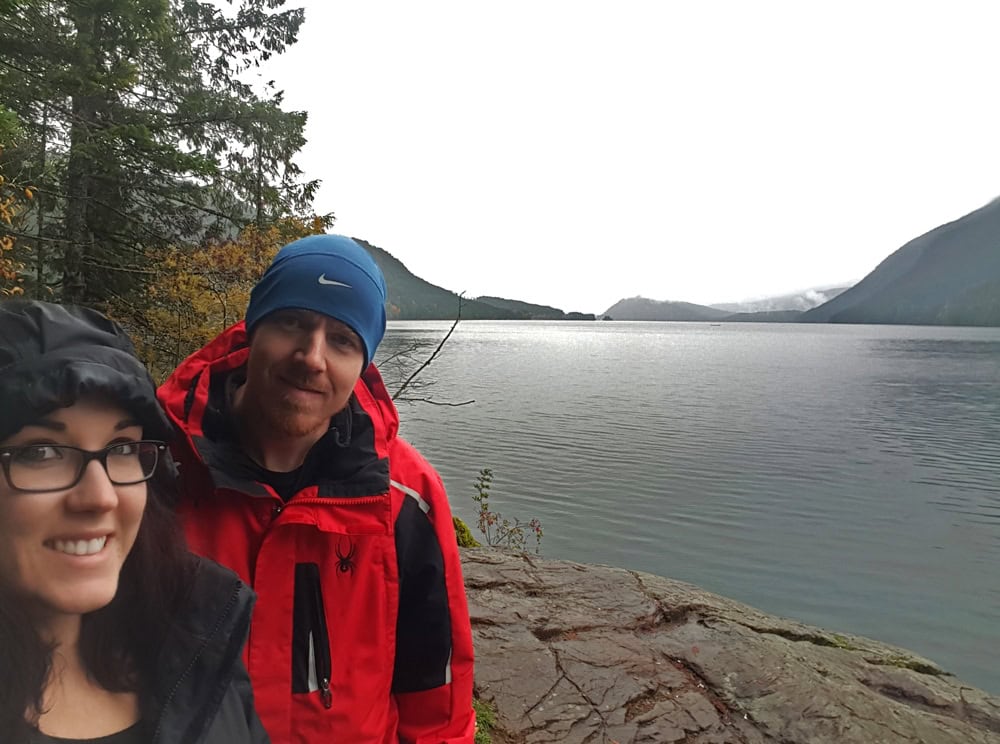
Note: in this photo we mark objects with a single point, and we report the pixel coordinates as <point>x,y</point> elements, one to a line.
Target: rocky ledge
<point>578,653</point>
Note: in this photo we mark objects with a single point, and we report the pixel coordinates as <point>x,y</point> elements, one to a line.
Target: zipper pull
<point>325,694</point>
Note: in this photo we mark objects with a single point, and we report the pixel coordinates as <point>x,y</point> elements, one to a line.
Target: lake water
<point>845,476</point>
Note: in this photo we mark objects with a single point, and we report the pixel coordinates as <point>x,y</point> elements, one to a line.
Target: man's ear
<point>235,397</point>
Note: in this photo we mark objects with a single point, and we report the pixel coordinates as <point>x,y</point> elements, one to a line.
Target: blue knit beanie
<point>328,274</point>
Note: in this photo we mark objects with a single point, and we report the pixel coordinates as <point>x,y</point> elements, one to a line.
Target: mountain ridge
<point>532,311</point>
<point>950,275</point>
<point>411,298</point>
<point>643,308</point>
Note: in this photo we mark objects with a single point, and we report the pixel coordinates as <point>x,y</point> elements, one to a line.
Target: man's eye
<point>341,339</point>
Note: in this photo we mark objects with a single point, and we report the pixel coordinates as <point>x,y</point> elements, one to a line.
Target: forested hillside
<point>412,298</point>
<point>948,276</point>
<point>641,308</point>
<point>531,311</point>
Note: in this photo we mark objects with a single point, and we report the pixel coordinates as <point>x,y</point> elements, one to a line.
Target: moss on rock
<point>464,534</point>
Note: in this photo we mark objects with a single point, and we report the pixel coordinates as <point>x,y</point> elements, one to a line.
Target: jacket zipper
<point>327,500</point>
<point>321,646</point>
<point>279,506</point>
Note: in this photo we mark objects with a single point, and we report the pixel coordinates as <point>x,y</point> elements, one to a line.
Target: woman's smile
<point>78,546</point>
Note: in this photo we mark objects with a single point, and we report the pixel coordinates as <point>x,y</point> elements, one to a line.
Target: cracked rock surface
<point>568,652</point>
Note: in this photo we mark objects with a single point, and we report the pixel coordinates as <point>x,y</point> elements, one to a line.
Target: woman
<point>110,631</point>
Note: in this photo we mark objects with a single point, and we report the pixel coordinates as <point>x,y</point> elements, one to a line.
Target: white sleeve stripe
<point>424,506</point>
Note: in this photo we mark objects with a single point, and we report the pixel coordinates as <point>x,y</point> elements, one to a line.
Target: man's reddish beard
<point>293,418</point>
<point>276,410</point>
<point>283,417</point>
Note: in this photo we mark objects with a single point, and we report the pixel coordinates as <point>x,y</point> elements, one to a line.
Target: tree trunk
<point>78,182</point>
<point>78,235</point>
<point>40,247</point>
<point>259,168</point>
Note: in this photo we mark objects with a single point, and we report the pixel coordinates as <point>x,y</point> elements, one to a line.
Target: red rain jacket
<point>361,630</point>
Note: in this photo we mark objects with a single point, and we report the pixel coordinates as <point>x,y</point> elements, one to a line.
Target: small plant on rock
<point>486,719</point>
<point>499,531</point>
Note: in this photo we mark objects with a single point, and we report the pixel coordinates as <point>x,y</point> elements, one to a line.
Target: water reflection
<point>843,475</point>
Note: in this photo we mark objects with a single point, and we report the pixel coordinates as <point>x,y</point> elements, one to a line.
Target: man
<point>294,476</point>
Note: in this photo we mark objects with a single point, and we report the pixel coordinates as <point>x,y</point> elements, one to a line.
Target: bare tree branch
<point>434,402</point>
<point>398,358</point>
<point>426,363</point>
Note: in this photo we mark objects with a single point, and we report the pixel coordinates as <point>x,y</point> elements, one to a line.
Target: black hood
<point>51,356</point>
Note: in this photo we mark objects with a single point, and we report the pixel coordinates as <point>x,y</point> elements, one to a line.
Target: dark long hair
<point>119,642</point>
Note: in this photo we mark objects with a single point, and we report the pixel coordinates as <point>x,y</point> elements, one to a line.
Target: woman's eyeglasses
<point>54,467</point>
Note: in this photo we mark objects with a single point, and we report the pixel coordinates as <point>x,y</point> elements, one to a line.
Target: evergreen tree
<point>139,133</point>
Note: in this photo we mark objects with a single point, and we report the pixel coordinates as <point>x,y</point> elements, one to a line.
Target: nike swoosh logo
<point>332,282</point>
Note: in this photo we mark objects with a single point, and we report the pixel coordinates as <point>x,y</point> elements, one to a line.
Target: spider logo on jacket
<point>345,561</point>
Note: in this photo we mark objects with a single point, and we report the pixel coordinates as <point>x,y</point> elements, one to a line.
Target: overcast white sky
<point>573,153</point>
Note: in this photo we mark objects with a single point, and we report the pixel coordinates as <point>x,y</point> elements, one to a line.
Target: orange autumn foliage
<point>13,203</point>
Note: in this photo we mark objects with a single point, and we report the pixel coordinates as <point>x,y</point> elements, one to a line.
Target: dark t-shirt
<point>135,734</point>
<point>285,485</point>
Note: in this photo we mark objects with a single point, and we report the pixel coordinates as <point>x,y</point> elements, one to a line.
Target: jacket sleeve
<point>433,673</point>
